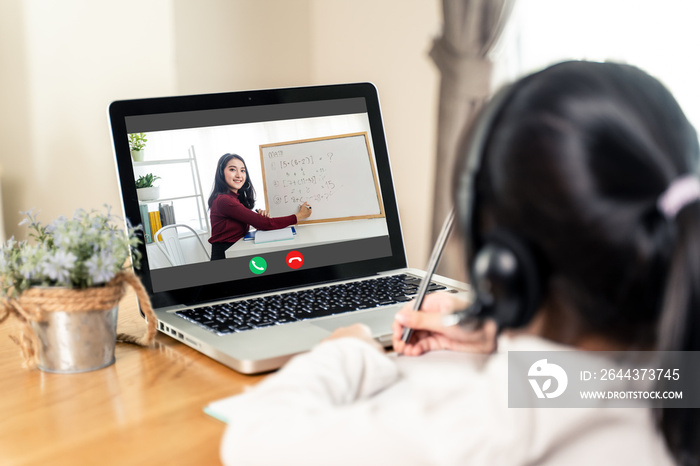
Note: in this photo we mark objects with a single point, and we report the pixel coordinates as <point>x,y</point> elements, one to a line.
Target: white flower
<point>79,252</point>
<point>29,258</point>
<point>65,238</point>
<point>101,267</point>
<point>58,266</point>
<point>29,217</point>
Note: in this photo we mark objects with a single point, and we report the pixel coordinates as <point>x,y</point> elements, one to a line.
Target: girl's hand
<point>359,331</point>
<point>264,213</point>
<point>304,212</point>
<point>429,334</point>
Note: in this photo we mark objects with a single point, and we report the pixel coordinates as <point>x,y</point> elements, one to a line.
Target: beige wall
<point>62,63</point>
<point>225,45</point>
<point>387,43</point>
<point>15,160</point>
<point>69,60</point>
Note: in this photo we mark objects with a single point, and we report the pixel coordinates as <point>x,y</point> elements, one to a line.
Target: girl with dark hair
<point>595,168</point>
<point>230,205</point>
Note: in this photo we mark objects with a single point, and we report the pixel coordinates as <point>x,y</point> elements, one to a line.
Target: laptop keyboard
<point>324,301</point>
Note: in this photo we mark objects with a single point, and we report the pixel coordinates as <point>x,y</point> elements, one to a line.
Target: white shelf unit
<point>190,163</point>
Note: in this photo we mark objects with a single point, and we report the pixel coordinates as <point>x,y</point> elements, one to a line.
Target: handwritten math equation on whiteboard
<point>335,174</point>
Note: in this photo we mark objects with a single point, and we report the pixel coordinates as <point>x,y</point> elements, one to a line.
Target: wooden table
<point>144,409</point>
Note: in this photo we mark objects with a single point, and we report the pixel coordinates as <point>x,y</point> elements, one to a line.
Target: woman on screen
<point>230,205</point>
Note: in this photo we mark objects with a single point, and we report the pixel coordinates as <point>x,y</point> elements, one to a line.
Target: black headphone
<point>505,277</point>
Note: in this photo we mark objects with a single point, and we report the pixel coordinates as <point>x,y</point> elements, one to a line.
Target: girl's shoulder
<point>226,198</point>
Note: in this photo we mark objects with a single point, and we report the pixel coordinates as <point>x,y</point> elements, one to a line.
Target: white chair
<point>170,244</point>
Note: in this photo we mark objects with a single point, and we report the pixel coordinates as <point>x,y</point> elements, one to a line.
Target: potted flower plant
<point>64,287</point>
<point>137,145</point>
<point>145,190</point>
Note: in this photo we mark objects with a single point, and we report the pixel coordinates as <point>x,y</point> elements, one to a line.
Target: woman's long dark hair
<point>246,194</point>
<point>575,164</point>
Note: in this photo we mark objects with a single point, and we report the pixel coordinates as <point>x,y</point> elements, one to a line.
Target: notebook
<point>267,301</point>
<point>267,236</point>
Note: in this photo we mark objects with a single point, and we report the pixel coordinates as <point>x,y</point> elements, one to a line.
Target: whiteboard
<point>334,174</point>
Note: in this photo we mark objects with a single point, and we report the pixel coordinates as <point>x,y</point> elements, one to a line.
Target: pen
<point>430,270</point>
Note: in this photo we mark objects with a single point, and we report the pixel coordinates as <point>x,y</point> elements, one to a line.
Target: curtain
<point>471,27</point>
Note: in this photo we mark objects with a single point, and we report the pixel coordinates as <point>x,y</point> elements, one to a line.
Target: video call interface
<point>320,153</point>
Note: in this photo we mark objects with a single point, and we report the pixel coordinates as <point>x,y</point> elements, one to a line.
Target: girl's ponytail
<point>680,331</point>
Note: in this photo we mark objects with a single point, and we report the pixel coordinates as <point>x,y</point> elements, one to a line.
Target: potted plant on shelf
<point>64,287</point>
<point>145,189</point>
<point>137,145</point>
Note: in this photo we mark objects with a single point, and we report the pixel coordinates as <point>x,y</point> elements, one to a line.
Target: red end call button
<point>295,259</point>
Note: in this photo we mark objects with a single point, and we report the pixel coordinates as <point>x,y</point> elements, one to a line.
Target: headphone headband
<point>479,136</point>
<point>503,270</point>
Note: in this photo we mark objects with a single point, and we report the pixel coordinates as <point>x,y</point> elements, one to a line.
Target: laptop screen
<point>321,147</point>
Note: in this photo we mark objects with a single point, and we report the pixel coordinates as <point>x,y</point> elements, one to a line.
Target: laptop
<point>276,295</point>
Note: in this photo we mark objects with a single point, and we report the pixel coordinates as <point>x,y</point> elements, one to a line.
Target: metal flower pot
<point>72,342</point>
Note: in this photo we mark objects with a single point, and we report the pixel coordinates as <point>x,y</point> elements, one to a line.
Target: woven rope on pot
<point>33,304</point>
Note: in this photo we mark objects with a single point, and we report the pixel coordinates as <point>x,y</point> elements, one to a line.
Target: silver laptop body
<point>324,145</point>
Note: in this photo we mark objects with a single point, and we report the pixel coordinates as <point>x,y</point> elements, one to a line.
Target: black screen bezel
<point>119,111</point>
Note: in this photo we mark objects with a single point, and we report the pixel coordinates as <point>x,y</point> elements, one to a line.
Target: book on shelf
<point>167,213</point>
<point>146,222</point>
<point>155,224</point>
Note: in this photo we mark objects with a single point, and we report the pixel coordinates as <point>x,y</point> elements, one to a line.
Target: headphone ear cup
<point>506,280</point>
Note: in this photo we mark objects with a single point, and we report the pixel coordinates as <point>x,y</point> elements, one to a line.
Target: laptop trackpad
<point>379,321</point>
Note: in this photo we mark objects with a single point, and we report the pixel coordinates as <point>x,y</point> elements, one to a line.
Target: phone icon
<point>257,265</point>
<point>295,259</point>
